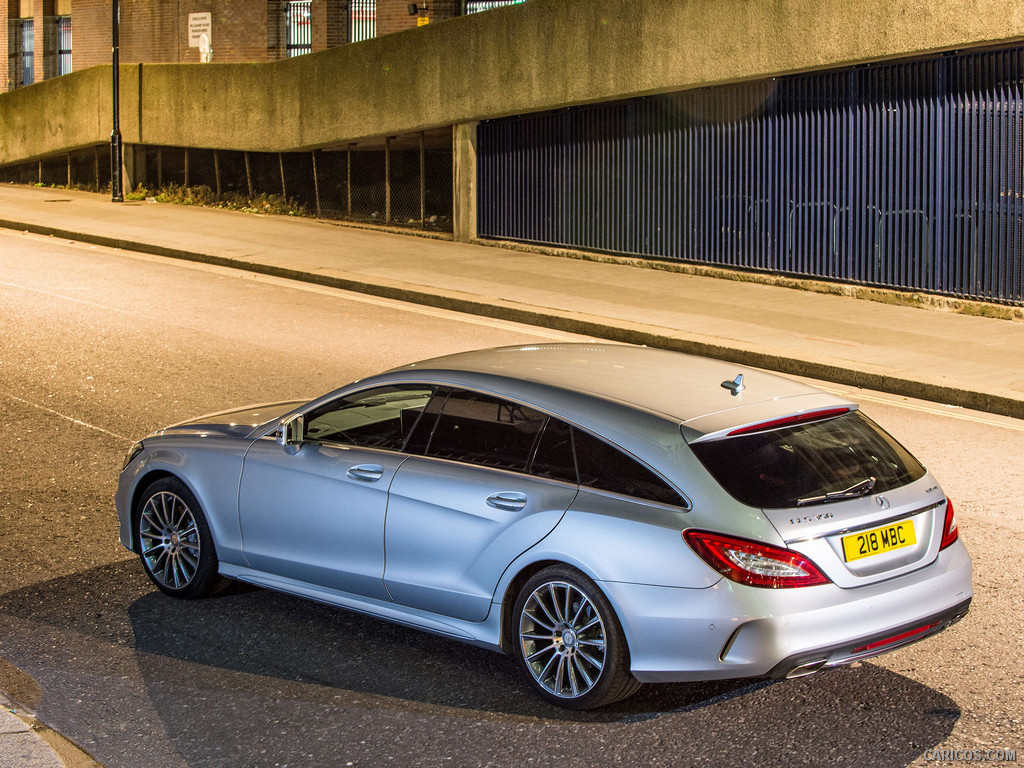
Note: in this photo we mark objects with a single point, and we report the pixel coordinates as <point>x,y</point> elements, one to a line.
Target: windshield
<point>810,463</point>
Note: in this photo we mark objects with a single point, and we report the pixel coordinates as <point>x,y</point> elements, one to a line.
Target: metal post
<point>280,163</point>
<point>39,173</point>
<point>160,167</point>
<point>248,175</point>
<point>387,180</point>
<point>69,170</point>
<point>216,170</point>
<point>348,182</point>
<point>316,185</point>
<point>423,185</point>
<point>96,166</point>
<point>186,167</point>
<point>116,192</point>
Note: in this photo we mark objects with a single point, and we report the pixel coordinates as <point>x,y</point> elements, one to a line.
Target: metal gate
<point>906,175</point>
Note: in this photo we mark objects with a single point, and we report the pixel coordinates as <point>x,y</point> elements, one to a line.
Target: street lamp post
<point>116,154</point>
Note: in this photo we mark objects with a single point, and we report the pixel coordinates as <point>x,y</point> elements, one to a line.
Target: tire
<point>175,544</point>
<point>569,642</point>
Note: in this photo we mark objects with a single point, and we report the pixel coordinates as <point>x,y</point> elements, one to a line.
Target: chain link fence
<point>400,181</point>
<point>87,169</point>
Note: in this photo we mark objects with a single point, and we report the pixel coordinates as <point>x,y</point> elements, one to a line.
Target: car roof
<point>684,388</point>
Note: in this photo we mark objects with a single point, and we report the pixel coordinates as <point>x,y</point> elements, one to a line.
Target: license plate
<point>879,540</point>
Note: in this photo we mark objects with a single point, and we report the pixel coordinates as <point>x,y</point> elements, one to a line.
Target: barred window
<point>300,29</point>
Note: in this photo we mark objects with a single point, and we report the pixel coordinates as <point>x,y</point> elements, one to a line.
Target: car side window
<point>424,429</point>
<point>554,455</point>
<point>485,430</point>
<point>382,417</point>
<point>609,469</point>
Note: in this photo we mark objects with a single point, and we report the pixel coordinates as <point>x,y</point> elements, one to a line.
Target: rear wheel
<point>175,543</point>
<point>569,641</point>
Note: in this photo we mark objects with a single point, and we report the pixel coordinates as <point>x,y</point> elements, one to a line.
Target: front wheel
<point>175,543</point>
<point>569,641</point>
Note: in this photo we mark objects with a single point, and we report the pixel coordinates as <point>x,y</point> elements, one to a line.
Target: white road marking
<point>66,298</point>
<point>72,419</point>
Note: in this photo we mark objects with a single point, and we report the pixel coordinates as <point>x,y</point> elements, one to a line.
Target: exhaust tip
<point>807,668</point>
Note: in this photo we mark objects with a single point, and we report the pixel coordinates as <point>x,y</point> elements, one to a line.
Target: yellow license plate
<point>879,540</point>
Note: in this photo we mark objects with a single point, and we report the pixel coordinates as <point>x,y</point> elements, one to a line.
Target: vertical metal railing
<point>299,36</point>
<point>26,50</point>
<point>475,6</point>
<point>905,174</point>
<point>298,26</point>
<point>362,20</point>
<point>63,45</point>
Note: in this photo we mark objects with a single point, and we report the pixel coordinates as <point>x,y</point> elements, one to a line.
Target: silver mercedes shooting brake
<point>608,514</point>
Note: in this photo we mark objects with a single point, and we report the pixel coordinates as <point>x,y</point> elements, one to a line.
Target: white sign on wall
<point>199,24</point>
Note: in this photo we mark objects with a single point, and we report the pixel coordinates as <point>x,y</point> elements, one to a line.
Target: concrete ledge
<point>541,55</point>
<point>841,372</point>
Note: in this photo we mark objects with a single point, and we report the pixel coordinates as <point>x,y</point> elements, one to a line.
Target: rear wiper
<point>863,488</point>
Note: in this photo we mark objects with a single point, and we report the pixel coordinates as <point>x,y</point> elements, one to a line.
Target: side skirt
<point>484,634</point>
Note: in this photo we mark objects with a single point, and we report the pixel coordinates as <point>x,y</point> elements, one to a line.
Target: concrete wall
<point>65,113</point>
<point>540,55</point>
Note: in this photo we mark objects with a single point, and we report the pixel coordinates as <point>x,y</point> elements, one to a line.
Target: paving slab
<point>20,746</point>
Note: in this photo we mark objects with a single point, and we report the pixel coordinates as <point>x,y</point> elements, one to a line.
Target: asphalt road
<point>100,347</point>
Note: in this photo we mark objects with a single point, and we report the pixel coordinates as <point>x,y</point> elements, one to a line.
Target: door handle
<point>366,472</point>
<point>510,500</point>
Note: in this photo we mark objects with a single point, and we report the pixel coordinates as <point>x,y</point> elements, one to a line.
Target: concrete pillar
<point>6,14</point>
<point>134,168</point>
<point>330,24</point>
<point>464,181</point>
<point>45,33</point>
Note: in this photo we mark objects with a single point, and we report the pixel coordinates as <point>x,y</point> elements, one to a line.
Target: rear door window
<point>485,430</point>
<point>554,456</point>
<point>786,467</point>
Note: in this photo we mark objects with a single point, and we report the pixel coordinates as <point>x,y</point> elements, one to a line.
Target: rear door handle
<point>513,501</point>
<point>368,473</point>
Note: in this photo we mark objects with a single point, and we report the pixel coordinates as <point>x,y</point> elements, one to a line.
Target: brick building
<point>38,33</point>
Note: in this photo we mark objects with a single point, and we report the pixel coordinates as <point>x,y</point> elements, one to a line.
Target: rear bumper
<point>731,630</point>
<point>867,647</point>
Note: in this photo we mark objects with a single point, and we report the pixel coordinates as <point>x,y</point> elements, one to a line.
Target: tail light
<point>753,562</point>
<point>950,532</point>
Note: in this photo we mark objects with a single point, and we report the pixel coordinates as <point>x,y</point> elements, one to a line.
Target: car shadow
<point>250,643</point>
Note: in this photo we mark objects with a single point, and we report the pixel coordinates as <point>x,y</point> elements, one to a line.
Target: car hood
<point>236,422</point>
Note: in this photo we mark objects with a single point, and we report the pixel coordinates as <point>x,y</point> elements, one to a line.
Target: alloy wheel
<point>563,639</point>
<point>170,540</point>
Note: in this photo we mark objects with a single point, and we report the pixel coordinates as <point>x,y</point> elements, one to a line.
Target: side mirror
<point>289,431</point>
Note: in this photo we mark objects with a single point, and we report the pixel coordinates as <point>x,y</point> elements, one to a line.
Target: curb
<point>19,695</point>
<point>572,322</point>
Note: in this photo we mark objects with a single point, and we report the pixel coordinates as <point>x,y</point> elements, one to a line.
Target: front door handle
<point>510,500</point>
<point>368,473</point>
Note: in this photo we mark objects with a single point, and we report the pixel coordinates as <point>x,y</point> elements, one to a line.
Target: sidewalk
<point>27,743</point>
<point>20,747</point>
<point>974,362</point>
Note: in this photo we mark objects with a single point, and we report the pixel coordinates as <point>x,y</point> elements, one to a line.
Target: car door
<point>315,512</point>
<point>461,511</point>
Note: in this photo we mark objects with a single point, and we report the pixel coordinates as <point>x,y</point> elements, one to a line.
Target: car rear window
<point>778,469</point>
